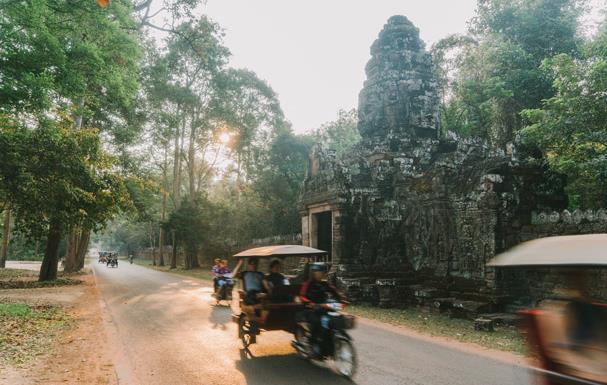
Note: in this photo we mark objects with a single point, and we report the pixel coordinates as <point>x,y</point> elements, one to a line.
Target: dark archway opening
<point>324,231</point>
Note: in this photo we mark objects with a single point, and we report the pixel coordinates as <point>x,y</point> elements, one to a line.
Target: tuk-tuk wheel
<point>245,333</point>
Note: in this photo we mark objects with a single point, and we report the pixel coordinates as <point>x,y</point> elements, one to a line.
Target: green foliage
<point>69,75</point>
<point>491,75</point>
<point>53,174</point>
<point>341,134</point>
<point>190,223</point>
<point>250,108</point>
<point>14,309</point>
<point>570,127</point>
<point>71,55</point>
<point>278,183</point>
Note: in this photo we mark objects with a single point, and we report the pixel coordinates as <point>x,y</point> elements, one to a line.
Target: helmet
<point>318,266</point>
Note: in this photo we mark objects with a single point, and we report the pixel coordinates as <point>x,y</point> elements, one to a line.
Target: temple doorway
<point>324,231</point>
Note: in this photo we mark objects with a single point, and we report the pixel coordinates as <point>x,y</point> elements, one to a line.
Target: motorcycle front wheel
<point>344,357</point>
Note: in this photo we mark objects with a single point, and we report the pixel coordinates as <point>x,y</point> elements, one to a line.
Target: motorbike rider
<point>315,292</point>
<point>215,271</point>
<point>223,275</point>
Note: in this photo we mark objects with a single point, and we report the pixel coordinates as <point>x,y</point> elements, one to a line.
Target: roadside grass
<point>28,279</point>
<point>29,331</point>
<point>9,273</point>
<point>203,273</point>
<point>505,338</point>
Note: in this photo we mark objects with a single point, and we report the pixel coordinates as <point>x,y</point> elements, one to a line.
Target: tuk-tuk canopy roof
<point>280,251</point>
<point>564,251</point>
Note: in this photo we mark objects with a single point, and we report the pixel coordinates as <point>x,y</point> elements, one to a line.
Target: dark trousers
<point>319,334</point>
<point>251,297</point>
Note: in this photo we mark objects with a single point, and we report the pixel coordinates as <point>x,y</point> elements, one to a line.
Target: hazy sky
<point>313,52</point>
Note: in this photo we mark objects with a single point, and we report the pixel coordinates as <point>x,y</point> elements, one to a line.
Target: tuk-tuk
<point>568,332</point>
<point>283,309</point>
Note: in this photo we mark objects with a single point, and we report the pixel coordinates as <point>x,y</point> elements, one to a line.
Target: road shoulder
<point>78,355</point>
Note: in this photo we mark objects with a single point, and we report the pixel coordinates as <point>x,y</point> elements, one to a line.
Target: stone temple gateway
<point>410,216</point>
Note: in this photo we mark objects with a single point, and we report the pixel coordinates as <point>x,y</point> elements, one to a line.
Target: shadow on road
<point>285,369</point>
<point>220,317</point>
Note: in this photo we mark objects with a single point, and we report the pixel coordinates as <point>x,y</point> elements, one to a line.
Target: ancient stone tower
<point>410,216</point>
<point>399,96</point>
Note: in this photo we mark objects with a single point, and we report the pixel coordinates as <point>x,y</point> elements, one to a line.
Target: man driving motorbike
<point>315,292</point>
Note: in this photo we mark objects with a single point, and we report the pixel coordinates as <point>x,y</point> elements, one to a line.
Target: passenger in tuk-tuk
<point>252,281</point>
<point>275,282</point>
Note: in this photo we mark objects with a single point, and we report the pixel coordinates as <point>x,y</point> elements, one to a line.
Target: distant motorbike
<point>224,288</point>
<point>112,262</point>
<point>335,344</point>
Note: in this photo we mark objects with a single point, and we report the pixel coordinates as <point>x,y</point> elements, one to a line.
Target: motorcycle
<point>112,262</point>
<point>335,344</point>
<point>223,291</point>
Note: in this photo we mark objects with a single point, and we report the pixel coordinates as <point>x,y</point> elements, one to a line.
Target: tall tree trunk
<point>6,233</point>
<point>161,247</point>
<point>152,243</point>
<point>78,117</point>
<point>193,258</point>
<point>186,260</point>
<point>69,265</point>
<point>83,246</point>
<point>174,253</point>
<point>177,184</point>
<point>192,163</point>
<point>176,171</point>
<point>48,269</point>
<point>177,165</point>
<point>165,186</point>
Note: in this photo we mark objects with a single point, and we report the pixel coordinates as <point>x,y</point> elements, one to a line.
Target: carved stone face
<point>399,96</point>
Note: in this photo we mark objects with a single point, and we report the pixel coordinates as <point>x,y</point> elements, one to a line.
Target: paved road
<point>166,332</point>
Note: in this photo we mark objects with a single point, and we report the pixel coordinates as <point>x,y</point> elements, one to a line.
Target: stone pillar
<point>305,229</point>
<point>337,237</point>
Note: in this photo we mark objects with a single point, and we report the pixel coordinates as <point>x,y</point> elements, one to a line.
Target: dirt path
<point>82,354</point>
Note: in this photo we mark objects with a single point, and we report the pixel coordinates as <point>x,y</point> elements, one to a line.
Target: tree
<point>498,64</point>
<point>6,231</point>
<point>70,61</point>
<point>55,178</point>
<point>249,107</point>
<point>341,134</point>
<point>190,224</point>
<point>279,180</point>
<point>570,127</point>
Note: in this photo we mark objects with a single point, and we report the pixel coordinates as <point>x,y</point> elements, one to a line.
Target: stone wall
<point>283,239</point>
<point>531,286</point>
<point>415,217</point>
